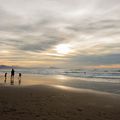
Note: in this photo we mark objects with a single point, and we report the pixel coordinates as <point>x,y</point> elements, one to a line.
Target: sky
<point>60,33</point>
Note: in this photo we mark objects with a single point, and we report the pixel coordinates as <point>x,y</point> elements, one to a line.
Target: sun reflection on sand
<point>61,77</point>
<point>80,90</point>
<point>62,87</point>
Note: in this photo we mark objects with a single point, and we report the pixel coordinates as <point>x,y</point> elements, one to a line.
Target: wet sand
<point>40,102</point>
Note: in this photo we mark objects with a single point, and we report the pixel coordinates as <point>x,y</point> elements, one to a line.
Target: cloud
<point>91,60</point>
<point>31,27</point>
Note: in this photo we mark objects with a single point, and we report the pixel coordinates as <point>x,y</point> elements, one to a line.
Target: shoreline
<point>63,82</point>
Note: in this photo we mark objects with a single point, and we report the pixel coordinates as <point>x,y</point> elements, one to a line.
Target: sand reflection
<point>12,80</point>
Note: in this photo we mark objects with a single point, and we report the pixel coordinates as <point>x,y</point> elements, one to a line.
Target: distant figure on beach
<point>12,76</point>
<point>20,75</point>
<point>5,77</point>
<point>12,73</point>
<point>19,78</point>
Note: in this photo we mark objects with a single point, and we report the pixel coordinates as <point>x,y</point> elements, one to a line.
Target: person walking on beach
<point>20,75</point>
<point>12,73</point>
<point>12,76</point>
<point>5,77</point>
<point>19,78</point>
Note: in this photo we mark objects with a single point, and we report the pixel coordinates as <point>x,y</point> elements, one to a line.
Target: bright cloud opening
<point>63,49</point>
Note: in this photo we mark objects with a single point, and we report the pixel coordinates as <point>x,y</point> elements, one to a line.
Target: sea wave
<point>68,72</point>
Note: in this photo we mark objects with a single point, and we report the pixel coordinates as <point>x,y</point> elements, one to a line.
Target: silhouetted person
<point>19,78</point>
<point>12,73</point>
<point>5,77</point>
<point>12,76</point>
<point>20,75</point>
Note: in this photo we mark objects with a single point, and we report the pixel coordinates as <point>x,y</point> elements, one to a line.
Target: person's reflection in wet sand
<point>19,79</point>
<point>12,80</point>
<point>5,78</point>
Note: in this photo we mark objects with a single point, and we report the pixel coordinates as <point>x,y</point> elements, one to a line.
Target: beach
<point>59,60</point>
<point>55,102</point>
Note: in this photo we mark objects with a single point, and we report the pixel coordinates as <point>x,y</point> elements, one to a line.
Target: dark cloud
<point>40,45</point>
<point>92,60</point>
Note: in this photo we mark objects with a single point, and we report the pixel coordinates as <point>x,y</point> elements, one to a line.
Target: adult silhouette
<point>12,73</point>
<point>12,76</point>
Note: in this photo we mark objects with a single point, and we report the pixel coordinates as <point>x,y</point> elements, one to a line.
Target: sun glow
<point>63,49</point>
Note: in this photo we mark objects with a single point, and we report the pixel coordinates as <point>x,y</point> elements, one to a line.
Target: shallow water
<point>99,84</point>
